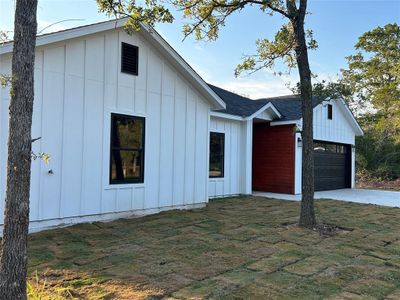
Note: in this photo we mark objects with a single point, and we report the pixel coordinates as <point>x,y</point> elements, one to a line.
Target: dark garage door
<point>332,166</point>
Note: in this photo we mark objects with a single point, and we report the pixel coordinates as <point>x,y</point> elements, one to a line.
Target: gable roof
<point>289,106</point>
<point>235,104</point>
<point>150,35</point>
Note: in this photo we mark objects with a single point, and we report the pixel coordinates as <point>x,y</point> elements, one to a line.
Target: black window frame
<point>330,111</point>
<point>221,134</point>
<point>125,46</point>
<point>140,179</point>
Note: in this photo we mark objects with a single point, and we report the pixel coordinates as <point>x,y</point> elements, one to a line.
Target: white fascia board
<point>67,34</point>
<point>152,36</point>
<point>348,114</point>
<point>357,126</point>
<point>345,107</point>
<point>226,116</point>
<point>265,107</point>
<point>294,122</point>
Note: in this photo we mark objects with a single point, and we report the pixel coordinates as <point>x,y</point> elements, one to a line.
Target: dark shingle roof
<point>235,104</point>
<point>288,106</point>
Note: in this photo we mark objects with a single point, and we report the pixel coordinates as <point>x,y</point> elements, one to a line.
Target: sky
<point>336,24</point>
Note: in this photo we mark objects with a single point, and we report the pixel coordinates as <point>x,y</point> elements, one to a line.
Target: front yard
<point>236,248</point>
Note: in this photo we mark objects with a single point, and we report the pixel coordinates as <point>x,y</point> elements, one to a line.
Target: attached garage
<point>270,150</point>
<point>332,166</point>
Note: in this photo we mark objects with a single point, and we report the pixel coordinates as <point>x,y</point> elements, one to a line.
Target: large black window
<point>127,149</point>
<point>217,149</point>
<point>129,59</point>
<point>330,111</point>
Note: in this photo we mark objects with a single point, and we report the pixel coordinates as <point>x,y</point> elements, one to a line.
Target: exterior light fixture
<point>299,142</point>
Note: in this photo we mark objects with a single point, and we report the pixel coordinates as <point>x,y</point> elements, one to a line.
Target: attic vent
<point>129,59</point>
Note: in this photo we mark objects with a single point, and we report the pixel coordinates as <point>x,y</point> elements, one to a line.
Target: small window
<point>127,149</point>
<point>329,111</point>
<point>217,149</point>
<point>129,59</point>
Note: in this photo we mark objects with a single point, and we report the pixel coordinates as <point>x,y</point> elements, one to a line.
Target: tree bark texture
<point>307,214</point>
<point>13,262</point>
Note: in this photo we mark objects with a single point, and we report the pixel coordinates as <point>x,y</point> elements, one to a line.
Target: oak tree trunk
<point>13,262</point>
<point>307,214</point>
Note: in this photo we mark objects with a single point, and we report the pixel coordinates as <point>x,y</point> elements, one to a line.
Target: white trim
<point>251,117</point>
<point>67,34</point>
<point>294,122</point>
<point>358,130</point>
<point>354,123</point>
<point>226,116</point>
<point>353,119</point>
<point>265,107</point>
<point>248,161</point>
<point>150,34</point>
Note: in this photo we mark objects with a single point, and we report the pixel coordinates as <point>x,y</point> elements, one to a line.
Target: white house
<point>128,124</point>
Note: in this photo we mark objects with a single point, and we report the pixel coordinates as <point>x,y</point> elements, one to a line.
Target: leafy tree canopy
<point>373,76</point>
<point>208,16</point>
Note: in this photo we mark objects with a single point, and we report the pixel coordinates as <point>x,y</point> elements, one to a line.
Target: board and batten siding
<point>78,84</point>
<point>233,182</point>
<point>337,130</point>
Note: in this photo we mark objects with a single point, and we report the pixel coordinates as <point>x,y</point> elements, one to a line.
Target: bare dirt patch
<point>380,184</point>
<point>327,230</point>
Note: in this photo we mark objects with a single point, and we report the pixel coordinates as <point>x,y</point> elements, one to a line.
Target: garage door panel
<point>331,170</point>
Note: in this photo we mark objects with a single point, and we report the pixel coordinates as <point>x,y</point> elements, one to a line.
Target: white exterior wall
<point>234,180</point>
<point>78,84</point>
<point>337,130</point>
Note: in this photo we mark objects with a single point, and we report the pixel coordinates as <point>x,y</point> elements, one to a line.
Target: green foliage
<point>3,37</point>
<point>5,80</point>
<point>378,155</point>
<point>45,157</point>
<point>371,87</point>
<point>206,19</point>
<point>149,13</point>
<point>38,291</point>
<point>267,52</point>
<point>373,76</point>
<point>328,89</point>
<point>209,16</point>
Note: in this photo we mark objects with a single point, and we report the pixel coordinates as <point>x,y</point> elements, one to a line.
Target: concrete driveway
<point>378,197</point>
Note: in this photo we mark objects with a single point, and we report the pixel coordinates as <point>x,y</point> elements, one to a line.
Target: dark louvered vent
<point>130,59</point>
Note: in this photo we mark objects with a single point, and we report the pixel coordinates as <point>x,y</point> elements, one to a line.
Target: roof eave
<point>227,116</point>
<point>263,108</point>
<point>151,35</point>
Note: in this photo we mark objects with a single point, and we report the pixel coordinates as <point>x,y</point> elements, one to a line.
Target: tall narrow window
<point>330,112</point>
<point>127,149</point>
<point>217,149</point>
<point>129,59</point>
